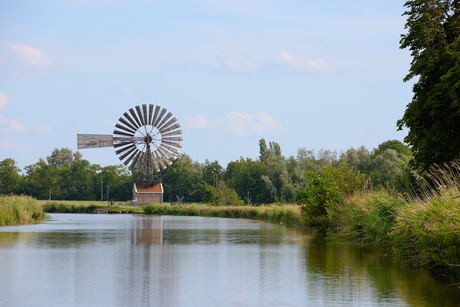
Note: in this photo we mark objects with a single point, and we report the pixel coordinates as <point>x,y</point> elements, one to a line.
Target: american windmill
<point>147,139</point>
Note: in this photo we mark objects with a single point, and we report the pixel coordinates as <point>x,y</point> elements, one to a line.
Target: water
<point>124,260</point>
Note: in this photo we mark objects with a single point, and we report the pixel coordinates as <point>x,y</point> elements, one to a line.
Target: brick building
<point>144,194</point>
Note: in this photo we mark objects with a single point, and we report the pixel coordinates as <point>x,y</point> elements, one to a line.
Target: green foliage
<point>320,197</point>
<point>10,178</point>
<point>19,210</point>
<point>433,115</point>
<point>287,214</point>
<point>348,180</point>
<point>428,232</point>
<point>221,194</point>
<point>245,176</point>
<point>369,217</point>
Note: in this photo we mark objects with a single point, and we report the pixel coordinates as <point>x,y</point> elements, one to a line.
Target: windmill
<point>147,139</point>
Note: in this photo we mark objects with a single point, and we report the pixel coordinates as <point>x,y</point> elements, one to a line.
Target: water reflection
<point>347,267</point>
<point>102,260</point>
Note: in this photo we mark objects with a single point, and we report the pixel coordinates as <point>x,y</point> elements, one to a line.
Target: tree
<point>221,194</point>
<point>246,177</point>
<point>9,176</point>
<point>63,157</point>
<point>212,172</point>
<point>433,115</point>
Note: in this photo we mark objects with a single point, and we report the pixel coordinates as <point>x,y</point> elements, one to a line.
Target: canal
<point>125,260</point>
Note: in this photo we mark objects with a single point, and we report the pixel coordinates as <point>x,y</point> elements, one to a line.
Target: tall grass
<point>284,214</point>
<point>16,210</point>
<point>423,229</point>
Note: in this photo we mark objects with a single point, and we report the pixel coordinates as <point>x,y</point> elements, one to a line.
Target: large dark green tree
<point>433,115</point>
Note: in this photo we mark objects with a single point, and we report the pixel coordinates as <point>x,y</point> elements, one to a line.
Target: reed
<point>282,214</point>
<point>15,210</point>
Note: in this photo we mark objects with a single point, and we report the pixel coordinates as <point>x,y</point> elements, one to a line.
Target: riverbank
<point>17,210</point>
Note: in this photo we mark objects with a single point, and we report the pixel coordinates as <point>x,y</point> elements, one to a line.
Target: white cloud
<point>242,123</point>
<point>2,101</point>
<point>28,54</point>
<point>197,121</point>
<point>45,129</point>
<point>236,123</point>
<point>293,62</point>
<point>12,124</point>
<point>235,65</point>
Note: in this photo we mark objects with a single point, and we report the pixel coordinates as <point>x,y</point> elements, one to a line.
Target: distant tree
<point>245,176</point>
<point>221,194</point>
<point>63,157</point>
<point>396,145</point>
<point>10,176</point>
<point>42,181</point>
<point>180,180</point>
<point>357,158</point>
<point>212,172</point>
<point>433,115</point>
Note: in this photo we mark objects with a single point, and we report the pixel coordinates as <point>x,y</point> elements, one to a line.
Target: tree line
<point>272,177</point>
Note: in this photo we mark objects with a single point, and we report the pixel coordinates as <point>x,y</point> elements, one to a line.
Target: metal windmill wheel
<point>147,139</point>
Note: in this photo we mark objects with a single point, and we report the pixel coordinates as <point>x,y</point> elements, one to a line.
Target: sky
<point>311,74</point>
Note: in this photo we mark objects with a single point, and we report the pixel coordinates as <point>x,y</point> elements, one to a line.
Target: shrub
<point>221,194</point>
<point>320,198</point>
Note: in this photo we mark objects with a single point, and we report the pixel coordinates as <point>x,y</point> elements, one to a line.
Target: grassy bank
<point>16,210</point>
<point>285,214</point>
<point>70,206</point>
<point>425,232</point>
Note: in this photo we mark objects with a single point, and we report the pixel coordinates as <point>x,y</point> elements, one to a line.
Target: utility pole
<point>102,194</point>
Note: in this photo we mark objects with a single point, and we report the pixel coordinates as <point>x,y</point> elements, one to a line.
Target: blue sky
<point>311,74</point>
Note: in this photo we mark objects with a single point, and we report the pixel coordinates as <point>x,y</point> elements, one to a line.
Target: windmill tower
<point>147,139</point>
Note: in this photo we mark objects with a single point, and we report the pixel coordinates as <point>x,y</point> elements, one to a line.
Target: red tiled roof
<point>157,188</point>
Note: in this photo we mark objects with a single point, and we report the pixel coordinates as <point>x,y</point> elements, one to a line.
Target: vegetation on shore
<point>15,210</point>
<point>283,214</point>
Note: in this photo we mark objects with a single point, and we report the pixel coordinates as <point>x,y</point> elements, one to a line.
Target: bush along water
<point>15,210</point>
<point>424,230</point>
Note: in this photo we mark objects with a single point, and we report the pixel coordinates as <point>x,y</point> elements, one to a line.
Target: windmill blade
<point>159,117</point>
<point>155,116</point>
<point>170,128</point>
<point>177,132</point>
<point>164,146</point>
<point>122,133</point>
<point>123,156</point>
<point>167,154</point>
<point>160,124</point>
<point>126,129</point>
<point>172,121</point>
<point>131,120</point>
<point>135,159</point>
<point>122,144</point>
<point>94,140</point>
<point>150,114</point>
<point>123,121</point>
<point>145,114</point>
<point>173,139</point>
<point>178,145</point>
<point>124,148</point>
<point>135,117</point>
<point>131,157</point>
<point>159,160</point>
<point>155,162</point>
<point>139,114</point>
